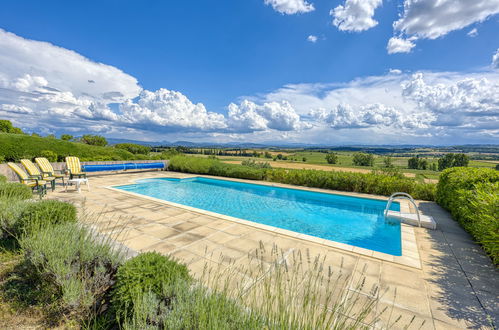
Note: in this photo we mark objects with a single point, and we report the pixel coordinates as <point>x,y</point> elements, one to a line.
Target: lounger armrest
<point>47,173</point>
<point>61,171</point>
<point>35,177</point>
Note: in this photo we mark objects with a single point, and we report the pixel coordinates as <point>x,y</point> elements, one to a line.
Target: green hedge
<point>472,197</point>
<point>14,147</point>
<point>370,183</point>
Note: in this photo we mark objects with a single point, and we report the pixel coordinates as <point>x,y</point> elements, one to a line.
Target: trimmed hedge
<point>472,197</point>
<point>370,183</point>
<point>14,147</point>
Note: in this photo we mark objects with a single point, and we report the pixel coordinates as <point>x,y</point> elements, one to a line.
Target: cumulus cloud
<point>170,109</point>
<point>431,19</point>
<point>399,45</point>
<point>312,38</point>
<point>355,15</point>
<point>290,7</point>
<point>495,60</point>
<point>248,116</point>
<point>369,115</point>
<point>463,100</point>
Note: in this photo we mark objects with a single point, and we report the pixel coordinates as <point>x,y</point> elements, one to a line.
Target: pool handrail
<point>403,195</point>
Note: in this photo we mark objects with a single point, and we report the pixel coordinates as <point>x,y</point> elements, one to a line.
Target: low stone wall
<point>11,176</point>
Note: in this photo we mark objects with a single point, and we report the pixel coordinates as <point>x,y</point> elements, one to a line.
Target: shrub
<point>15,191</point>
<point>472,197</point>
<point>50,155</point>
<point>3,179</point>
<point>148,272</point>
<point>331,158</point>
<point>10,211</point>
<point>76,268</point>
<point>41,214</point>
<point>362,159</point>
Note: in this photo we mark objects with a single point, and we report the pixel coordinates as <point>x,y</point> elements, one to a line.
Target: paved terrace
<point>453,286</point>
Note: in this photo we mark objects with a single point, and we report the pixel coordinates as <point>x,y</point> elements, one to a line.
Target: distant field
<point>316,160</point>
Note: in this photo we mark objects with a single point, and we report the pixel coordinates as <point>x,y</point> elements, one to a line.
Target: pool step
<point>412,219</point>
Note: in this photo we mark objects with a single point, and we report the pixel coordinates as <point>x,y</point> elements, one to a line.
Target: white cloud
<point>399,45</point>
<point>355,15</point>
<point>170,109</point>
<point>248,116</point>
<point>35,64</point>
<point>431,19</point>
<point>472,33</point>
<point>430,106</point>
<point>290,7</point>
<point>495,60</point>
<point>466,97</point>
<point>370,115</point>
<point>312,38</point>
<point>397,106</point>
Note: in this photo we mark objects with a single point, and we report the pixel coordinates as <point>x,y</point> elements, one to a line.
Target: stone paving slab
<point>453,286</point>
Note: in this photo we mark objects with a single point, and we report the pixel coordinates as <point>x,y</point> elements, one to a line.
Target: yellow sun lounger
<point>74,167</point>
<point>33,182</point>
<point>35,172</point>
<point>48,170</point>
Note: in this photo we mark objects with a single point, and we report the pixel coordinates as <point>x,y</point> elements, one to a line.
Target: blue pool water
<point>351,220</point>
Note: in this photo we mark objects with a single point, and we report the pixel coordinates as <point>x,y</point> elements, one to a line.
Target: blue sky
<point>197,60</point>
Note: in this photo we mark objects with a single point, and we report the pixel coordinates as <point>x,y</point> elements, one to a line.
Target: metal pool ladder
<point>403,195</point>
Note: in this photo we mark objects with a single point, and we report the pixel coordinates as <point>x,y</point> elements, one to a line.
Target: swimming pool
<point>351,220</point>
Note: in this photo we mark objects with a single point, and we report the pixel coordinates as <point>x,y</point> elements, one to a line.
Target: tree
<point>362,159</point>
<point>267,154</point>
<point>66,137</point>
<point>453,160</point>
<point>331,158</point>
<point>7,127</point>
<point>417,163</point>
<point>304,159</point>
<point>388,162</point>
<point>279,156</point>
<point>51,136</point>
<point>94,140</point>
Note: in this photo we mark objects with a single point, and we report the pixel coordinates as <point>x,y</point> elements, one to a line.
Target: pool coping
<point>410,254</point>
